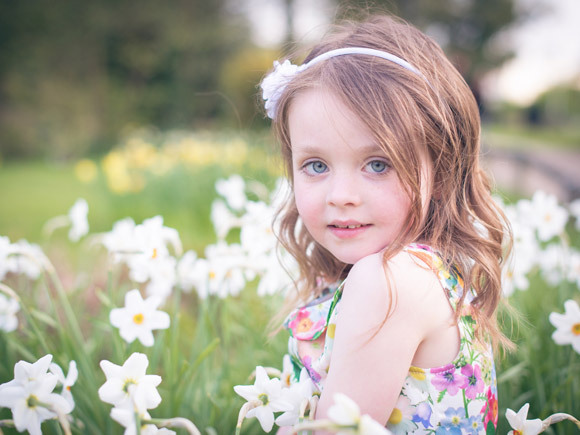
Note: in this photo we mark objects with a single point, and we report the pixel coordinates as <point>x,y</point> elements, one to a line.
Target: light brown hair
<point>409,115</point>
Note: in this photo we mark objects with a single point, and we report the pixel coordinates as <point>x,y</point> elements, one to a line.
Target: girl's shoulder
<point>409,275</point>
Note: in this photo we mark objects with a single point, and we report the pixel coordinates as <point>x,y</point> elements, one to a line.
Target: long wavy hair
<point>409,116</point>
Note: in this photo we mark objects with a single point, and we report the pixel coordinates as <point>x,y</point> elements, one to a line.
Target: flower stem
<point>243,411</point>
<point>6,423</point>
<point>558,417</point>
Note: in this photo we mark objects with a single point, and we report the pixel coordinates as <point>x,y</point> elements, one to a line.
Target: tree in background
<point>464,28</point>
<point>74,75</point>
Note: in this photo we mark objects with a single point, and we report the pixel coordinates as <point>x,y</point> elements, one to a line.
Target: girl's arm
<point>371,357</point>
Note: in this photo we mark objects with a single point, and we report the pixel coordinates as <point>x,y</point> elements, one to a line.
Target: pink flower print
<point>303,328</point>
<point>490,409</point>
<point>475,383</point>
<point>314,375</point>
<point>448,378</point>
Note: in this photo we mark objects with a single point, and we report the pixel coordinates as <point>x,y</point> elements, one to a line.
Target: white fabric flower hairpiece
<point>276,81</point>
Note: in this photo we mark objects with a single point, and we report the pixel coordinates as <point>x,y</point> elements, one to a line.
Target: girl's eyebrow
<point>370,148</point>
<point>307,149</point>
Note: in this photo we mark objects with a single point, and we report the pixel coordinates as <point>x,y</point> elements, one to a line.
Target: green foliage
<point>75,75</point>
<point>463,28</point>
<point>539,372</point>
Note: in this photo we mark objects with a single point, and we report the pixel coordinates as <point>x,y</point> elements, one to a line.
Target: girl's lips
<point>348,230</point>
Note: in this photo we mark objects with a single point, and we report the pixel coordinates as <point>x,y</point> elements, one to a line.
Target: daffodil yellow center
<point>212,274</point>
<point>128,383</point>
<point>32,401</point>
<point>138,318</point>
<point>576,329</point>
<point>154,255</point>
<point>264,399</point>
<point>517,432</point>
<point>396,416</point>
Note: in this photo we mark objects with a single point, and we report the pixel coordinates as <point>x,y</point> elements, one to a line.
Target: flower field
<point>136,292</point>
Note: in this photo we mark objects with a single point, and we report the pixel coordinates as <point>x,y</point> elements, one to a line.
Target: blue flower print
<point>423,414</point>
<point>453,421</point>
<point>474,425</point>
<point>448,430</point>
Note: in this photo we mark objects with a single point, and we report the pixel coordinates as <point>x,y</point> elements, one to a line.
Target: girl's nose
<point>343,191</point>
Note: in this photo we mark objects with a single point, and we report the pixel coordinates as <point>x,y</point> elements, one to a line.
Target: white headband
<point>274,83</point>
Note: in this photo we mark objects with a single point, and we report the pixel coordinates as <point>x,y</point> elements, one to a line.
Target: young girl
<point>399,243</point>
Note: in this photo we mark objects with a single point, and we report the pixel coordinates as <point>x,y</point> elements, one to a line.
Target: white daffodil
<point>8,309</point>
<point>346,413</point>
<point>139,318</point>
<point>277,268</point>
<point>226,269</point>
<point>66,381</point>
<point>25,372</point>
<point>128,386</point>
<point>233,190</point>
<point>154,237</point>
<point>269,393</point>
<point>120,241</point>
<point>223,219</point>
<point>30,395</point>
<point>287,376</point>
<point>575,211</point>
<point>544,215</point>
<point>568,325</point>
<point>32,403</point>
<point>186,279</point>
<point>27,259</point>
<point>78,219</point>
<point>256,235</point>
<point>553,262</point>
<point>520,424</point>
<point>197,276</point>
<point>162,277</point>
<point>4,251</point>
<point>296,394</point>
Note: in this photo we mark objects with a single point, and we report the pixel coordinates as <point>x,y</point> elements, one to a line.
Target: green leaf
<point>490,429</point>
<point>44,318</point>
<point>104,298</point>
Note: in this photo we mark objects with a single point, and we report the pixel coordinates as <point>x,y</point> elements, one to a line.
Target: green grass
<point>520,136</point>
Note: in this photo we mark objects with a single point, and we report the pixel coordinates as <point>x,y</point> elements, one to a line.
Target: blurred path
<point>555,171</point>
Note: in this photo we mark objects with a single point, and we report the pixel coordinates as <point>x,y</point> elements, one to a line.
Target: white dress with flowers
<point>458,398</point>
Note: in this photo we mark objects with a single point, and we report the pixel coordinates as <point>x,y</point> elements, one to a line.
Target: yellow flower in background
<point>119,178</point>
<point>140,154</point>
<point>235,153</point>
<point>128,167</point>
<point>86,170</point>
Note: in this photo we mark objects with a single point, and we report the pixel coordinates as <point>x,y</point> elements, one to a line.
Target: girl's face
<point>347,195</point>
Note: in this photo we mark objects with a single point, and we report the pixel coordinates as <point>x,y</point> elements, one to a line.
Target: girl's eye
<point>316,167</point>
<point>377,166</point>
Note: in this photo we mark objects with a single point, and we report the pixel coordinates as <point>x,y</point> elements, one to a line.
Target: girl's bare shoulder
<point>403,283</point>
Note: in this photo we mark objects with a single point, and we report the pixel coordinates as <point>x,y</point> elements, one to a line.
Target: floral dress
<point>457,398</point>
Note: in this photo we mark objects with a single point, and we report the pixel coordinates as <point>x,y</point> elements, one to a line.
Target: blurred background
<point>82,80</point>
